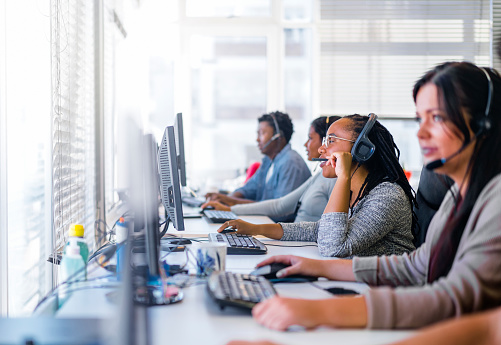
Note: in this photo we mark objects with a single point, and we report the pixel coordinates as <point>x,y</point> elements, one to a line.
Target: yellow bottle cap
<point>76,230</point>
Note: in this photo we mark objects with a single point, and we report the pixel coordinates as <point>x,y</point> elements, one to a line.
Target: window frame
<point>3,172</point>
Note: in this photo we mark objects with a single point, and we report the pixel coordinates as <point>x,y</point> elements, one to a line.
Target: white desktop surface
<point>203,226</point>
<point>197,319</point>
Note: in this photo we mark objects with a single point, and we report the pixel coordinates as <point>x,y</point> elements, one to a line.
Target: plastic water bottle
<point>77,232</point>
<point>72,270</point>
<point>121,231</point>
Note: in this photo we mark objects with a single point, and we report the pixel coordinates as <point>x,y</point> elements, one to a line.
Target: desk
<point>198,320</point>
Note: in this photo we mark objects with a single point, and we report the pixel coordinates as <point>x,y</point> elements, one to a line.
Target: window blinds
<point>372,52</point>
<point>73,119</point>
<point>496,34</point>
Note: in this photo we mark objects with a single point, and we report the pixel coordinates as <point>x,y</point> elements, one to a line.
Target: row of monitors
<point>160,170</point>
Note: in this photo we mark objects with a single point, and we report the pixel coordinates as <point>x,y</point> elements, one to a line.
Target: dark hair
<point>383,166</point>
<point>284,123</point>
<point>464,88</point>
<point>321,124</point>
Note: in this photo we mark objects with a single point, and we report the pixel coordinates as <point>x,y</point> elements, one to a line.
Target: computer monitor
<point>150,204</point>
<point>179,137</point>
<point>170,190</point>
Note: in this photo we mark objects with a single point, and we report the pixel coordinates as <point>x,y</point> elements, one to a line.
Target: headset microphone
<point>277,132</point>
<point>273,138</point>
<point>440,162</point>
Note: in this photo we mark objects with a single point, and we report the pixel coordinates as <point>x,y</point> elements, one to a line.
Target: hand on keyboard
<point>219,216</point>
<point>216,205</point>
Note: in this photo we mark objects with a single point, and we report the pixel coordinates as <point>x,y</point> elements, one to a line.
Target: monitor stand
<point>159,295</point>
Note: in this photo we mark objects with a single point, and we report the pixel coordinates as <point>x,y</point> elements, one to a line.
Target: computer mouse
<point>228,229</point>
<point>270,272</point>
<point>178,241</point>
<point>341,291</point>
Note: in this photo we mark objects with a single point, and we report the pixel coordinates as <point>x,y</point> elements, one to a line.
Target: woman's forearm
<point>472,330</point>
<point>339,200</point>
<point>339,269</point>
<point>273,231</point>
<point>345,312</point>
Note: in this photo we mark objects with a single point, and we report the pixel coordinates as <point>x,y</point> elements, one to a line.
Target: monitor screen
<point>170,189</point>
<point>179,137</point>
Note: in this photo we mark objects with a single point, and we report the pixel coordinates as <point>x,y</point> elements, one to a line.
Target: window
<point>26,211</point>
<point>372,52</point>
<point>228,8</point>
<point>73,119</point>
<point>298,57</point>
<point>248,58</point>
<point>229,77</point>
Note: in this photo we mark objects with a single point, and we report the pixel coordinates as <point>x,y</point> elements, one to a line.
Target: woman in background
<point>305,203</point>
<point>370,207</point>
<point>458,269</point>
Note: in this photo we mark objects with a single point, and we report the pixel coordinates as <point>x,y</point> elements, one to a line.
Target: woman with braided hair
<point>369,211</point>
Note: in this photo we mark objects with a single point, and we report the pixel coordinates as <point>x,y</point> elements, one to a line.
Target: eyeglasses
<point>331,138</point>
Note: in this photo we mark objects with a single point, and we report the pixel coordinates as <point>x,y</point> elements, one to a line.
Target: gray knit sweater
<point>379,224</point>
<point>473,283</point>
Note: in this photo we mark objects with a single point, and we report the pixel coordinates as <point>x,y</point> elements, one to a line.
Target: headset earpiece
<point>484,123</point>
<point>277,129</point>
<point>482,126</point>
<point>363,149</point>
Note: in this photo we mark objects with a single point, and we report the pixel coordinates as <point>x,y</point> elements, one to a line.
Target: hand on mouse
<point>216,205</point>
<point>241,226</point>
<point>338,269</point>
<point>297,265</point>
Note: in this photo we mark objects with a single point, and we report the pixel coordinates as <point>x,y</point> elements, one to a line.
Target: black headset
<point>363,149</point>
<point>484,123</point>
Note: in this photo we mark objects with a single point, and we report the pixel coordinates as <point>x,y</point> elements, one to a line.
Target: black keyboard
<point>215,216</point>
<point>238,290</point>
<point>238,244</point>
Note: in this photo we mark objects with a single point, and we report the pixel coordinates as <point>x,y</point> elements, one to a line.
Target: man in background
<point>282,169</point>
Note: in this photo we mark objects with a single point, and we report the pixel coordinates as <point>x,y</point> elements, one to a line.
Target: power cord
<point>108,255</point>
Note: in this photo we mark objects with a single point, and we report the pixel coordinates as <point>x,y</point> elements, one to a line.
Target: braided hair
<point>383,166</point>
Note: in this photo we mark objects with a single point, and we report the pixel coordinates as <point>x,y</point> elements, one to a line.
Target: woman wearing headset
<point>458,268</point>
<point>306,202</point>
<point>369,211</point>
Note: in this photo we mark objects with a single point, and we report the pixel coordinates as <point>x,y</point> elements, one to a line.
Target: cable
<point>167,221</point>
<point>100,250</point>
<point>108,256</point>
